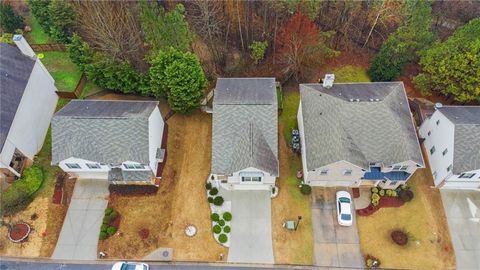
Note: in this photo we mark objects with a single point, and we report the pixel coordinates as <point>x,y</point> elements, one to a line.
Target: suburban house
<point>452,141</point>
<point>244,139</point>
<point>27,103</point>
<point>123,142</point>
<point>354,134</point>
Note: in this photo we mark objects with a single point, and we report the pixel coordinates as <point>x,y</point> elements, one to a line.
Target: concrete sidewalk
<point>462,208</point>
<point>251,235</point>
<point>79,236</point>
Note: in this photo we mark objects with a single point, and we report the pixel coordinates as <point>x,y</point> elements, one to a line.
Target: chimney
<point>22,44</point>
<point>328,80</point>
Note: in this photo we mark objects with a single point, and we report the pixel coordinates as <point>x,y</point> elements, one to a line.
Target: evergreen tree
<point>9,19</point>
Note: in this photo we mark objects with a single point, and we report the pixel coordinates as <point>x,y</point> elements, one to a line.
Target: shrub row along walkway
<point>79,236</point>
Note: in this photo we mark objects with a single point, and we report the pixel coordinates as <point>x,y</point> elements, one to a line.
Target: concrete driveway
<point>462,208</point>
<point>334,245</point>
<point>251,235</point>
<point>79,236</point>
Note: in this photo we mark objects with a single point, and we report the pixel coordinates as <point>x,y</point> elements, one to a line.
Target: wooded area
<point>285,38</point>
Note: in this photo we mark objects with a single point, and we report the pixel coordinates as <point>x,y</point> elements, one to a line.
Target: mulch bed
<point>355,193</point>
<point>384,202</point>
<point>19,232</point>
<point>59,184</point>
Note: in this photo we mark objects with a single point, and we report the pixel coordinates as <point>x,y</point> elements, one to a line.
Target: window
<point>251,179</point>
<point>396,167</point>
<point>466,175</point>
<point>438,122</point>
<point>434,175</point>
<point>73,166</point>
<point>324,172</point>
<point>404,168</point>
<point>449,168</point>
<point>133,166</point>
<point>348,172</point>
<point>432,150</point>
<point>429,133</point>
<point>445,151</point>
<point>93,165</point>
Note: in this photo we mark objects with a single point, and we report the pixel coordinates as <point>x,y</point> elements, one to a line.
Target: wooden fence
<point>48,47</point>
<point>78,89</point>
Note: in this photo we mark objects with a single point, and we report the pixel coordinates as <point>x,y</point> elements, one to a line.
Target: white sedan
<point>130,266</point>
<point>344,208</point>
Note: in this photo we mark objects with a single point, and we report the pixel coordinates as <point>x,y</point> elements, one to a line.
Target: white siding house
<point>28,101</point>
<point>122,142</point>
<point>244,139</point>
<point>452,142</point>
<point>354,134</point>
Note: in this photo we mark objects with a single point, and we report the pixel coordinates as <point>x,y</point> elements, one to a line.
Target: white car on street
<point>130,266</point>
<point>344,208</point>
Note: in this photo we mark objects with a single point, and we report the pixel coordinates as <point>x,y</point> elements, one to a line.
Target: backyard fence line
<point>49,47</point>
<point>78,89</point>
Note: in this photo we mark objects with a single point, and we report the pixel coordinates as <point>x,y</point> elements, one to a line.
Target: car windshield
<point>128,266</point>
<point>346,217</point>
<point>344,200</point>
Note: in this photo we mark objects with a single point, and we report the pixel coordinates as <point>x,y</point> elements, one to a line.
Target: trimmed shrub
<point>375,197</point>
<point>221,222</point>
<point>104,228</point>
<point>213,191</point>
<point>208,185</point>
<point>374,190</point>
<point>382,192</point>
<point>306,189</point>
<point>222,238</point>
<point>215,217</point>
<point>103,236</point>
<point>406,195</point>
<point>111,230</point>
<point>108,211</point>
<point>218,201</point>
<point>113,215</point>
<point>394,193</point>
<point>217,229</point>
<point>210,199</point>
<point>227,216</point>
<point>389,192</point>
<point>399,237</point>
<point>226,229</point>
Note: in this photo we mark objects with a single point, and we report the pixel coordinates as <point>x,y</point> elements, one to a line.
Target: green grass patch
<point>289,113</point>
<point>350,73</point>
<point>62,69</point>
<point>37,36</point>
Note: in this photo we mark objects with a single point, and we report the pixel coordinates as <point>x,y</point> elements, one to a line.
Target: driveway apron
<point>79,236</point>
<point>334,245</point>
<point>462,208</point>
<point>251,235</point>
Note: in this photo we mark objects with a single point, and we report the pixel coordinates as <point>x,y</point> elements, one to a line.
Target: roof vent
<point>351,100</point>
<point>357,100</point>
<point>372,100</point>
<point>328,80</point>
<point>438,105</point>
<point>377,99</point>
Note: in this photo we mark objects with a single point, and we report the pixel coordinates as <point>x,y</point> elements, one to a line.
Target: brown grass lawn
<point>291,247</point>
<point>423,218</point>
<point>180,201</point>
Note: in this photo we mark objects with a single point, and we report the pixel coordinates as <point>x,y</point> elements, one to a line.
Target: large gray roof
<point>103,131</point>
<point>245,134</point>
<point>15,70</point>
<point>466,154</point>
<point>377,128</point>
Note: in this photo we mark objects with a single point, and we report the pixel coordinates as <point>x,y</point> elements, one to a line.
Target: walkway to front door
<point>251,235</point>
<point>79,236</point>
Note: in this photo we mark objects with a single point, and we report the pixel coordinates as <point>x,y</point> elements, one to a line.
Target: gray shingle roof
<point>117,174</point>
<point>245,135</point>
<point>466,154</point>
<point>358,132</point>
<point>103,131</point>
<point>15,70</point>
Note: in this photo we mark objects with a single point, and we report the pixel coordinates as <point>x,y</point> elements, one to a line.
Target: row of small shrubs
<point>109,227</point>
<point>221,226</point>
<point>212,191</point>
<point>305,189</point>
<point>19,195</point>
<point>403,192</point>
